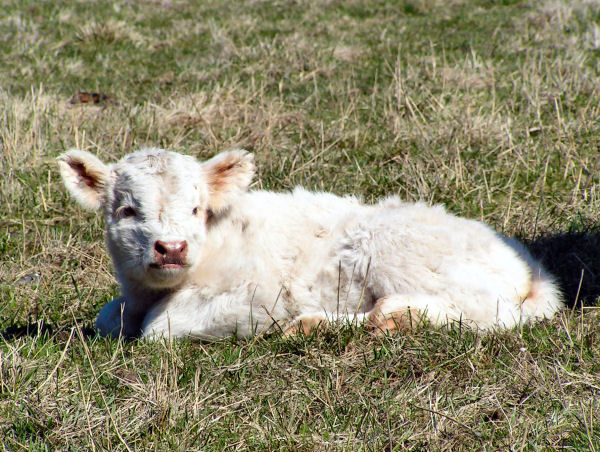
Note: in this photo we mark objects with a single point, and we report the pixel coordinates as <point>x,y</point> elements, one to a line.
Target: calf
<point>197,254</point>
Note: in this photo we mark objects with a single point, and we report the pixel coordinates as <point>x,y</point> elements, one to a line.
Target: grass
<point>489,107</point>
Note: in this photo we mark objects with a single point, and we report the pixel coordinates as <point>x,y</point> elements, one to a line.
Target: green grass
<point>489,107</point>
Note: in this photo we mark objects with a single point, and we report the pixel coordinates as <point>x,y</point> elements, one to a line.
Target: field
<point>489,107</point>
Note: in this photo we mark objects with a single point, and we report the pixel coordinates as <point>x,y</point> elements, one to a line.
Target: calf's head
<point>157,206</point>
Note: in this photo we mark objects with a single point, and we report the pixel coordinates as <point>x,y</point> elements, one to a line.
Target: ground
<point>489,107</point>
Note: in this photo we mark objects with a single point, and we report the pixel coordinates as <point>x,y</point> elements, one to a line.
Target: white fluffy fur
<point>258,258</point>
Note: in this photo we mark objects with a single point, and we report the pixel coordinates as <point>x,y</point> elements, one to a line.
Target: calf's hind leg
<point>305,323</point>
<point>405,312</point>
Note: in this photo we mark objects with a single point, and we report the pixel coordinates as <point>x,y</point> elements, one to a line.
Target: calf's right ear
<point>85,176</point>
<point>228,175</point>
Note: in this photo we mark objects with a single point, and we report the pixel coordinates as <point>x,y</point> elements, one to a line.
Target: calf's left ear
<point>85,176</point>
<point>228,175</point>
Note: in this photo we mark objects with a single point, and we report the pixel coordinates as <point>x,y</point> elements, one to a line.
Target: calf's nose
<point>170,252</point>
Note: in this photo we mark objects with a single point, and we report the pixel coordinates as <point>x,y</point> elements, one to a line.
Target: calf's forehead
<point>152,171</point>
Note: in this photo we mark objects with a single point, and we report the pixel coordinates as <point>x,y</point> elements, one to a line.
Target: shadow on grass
<point>42,328</point>
<point>574,259</point>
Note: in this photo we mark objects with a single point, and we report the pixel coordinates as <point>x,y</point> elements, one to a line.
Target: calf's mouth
<point>168,265</point>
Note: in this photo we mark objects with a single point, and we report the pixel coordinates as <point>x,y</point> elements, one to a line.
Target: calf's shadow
<point>573,258</point>
<point>44,328</point>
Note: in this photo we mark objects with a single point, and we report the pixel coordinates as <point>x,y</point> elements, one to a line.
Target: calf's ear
<point>228,175</point>
<point>85,176</point>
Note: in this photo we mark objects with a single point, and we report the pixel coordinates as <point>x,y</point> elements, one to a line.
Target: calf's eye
<point>195,211</point>
<point>125,212</point>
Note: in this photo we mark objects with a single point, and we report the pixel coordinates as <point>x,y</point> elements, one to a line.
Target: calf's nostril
<point>183,247</point>
<point>159,248</point>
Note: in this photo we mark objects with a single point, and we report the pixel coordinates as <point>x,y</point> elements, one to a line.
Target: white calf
<point>199,255</point>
